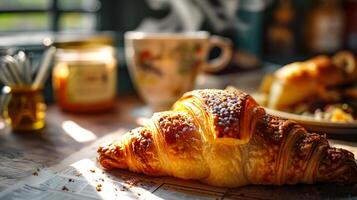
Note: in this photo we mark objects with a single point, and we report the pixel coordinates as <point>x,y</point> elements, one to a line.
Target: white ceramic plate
<point>321,126</point>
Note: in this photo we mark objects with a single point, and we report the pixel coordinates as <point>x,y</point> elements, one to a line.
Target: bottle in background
<point>248,38</point>
<point>280,36</point>
<point>324,27</point>
<point>350,37</point>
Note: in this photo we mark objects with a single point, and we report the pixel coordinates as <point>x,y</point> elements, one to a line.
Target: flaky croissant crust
<point>224,138</point>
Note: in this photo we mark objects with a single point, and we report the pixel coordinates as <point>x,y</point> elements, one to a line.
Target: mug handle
<point>219,63</point>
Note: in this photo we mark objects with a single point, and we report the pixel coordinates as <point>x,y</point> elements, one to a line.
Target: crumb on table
<point>99,187</point>
<point>64,188</point>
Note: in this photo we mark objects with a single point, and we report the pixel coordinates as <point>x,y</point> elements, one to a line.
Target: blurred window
<point>48,15</point>
<point>28,21</point>
<point>77,21</point>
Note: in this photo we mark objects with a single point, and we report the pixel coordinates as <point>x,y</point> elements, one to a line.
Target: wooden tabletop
<point>23,153</point>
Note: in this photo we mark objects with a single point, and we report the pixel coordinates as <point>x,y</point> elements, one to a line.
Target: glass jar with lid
<point>85,75</point>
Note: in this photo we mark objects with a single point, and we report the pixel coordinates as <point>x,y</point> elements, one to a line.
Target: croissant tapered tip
<point>112,155</point>
<point>338,166</point>
<point>104,148</point>
<point>101,149</point>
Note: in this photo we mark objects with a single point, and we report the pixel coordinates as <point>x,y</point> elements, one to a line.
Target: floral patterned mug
<point>163,66</point>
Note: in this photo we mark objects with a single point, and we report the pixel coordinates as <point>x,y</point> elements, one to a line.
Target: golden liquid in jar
<point>26,109</point>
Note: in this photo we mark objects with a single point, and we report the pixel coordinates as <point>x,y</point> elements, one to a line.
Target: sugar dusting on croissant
<point>224,138</point>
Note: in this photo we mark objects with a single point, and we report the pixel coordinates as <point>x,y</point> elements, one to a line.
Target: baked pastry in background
<point>318,83</point>
<point>224,138</point>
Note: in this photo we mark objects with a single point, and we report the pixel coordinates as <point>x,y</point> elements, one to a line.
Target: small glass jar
<point>85,76</point>
<point>26,108</point>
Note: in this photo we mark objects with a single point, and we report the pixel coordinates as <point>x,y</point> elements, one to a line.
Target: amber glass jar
<point>85,76</point>
<point>26,108</point>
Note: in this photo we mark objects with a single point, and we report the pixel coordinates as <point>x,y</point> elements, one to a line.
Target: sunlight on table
<point>77,132</point>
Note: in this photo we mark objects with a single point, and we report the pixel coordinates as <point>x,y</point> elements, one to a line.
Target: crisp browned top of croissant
<point>224,138</point>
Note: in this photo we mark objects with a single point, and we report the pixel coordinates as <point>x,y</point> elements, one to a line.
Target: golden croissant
<point>224,138</point>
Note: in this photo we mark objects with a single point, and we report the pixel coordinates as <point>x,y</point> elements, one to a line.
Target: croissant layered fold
<point>224,138</point>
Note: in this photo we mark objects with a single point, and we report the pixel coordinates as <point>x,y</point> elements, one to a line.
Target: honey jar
<point>85,75</point>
